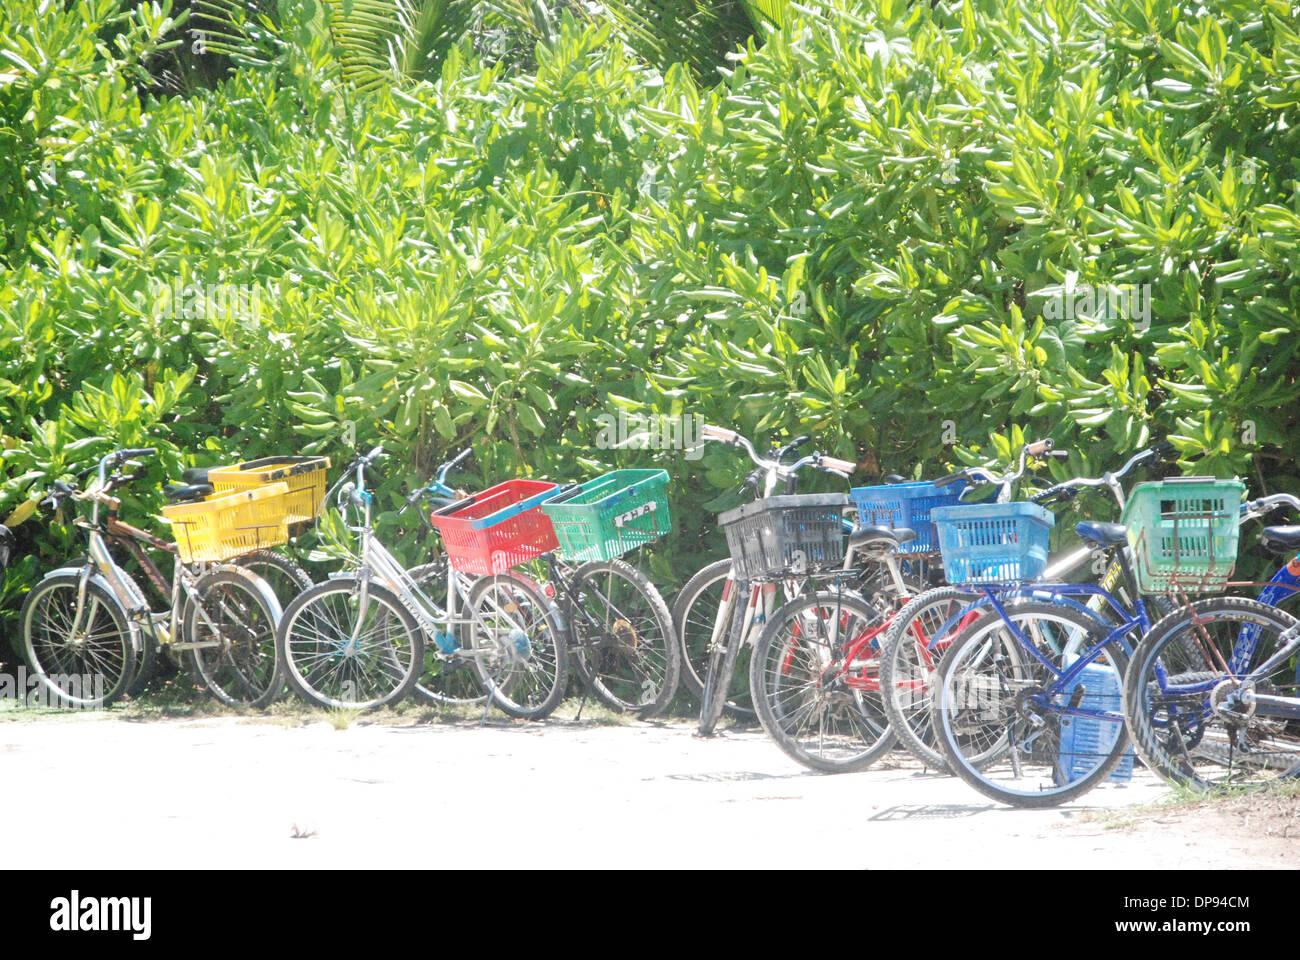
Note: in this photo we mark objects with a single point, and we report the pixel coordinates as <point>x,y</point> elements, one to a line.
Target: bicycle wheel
<point>443,682</point>
<point>234,624</point>
<point>1001,726</point>
<point>1183,700</point>
<point>909,654</point>
<point>624,646</point>
<point>708,596</point>
<point>821,710</point>
<point>720,673</point>
<point>517,644</point>
<point>286,576</point>
<point>85,661</point>
<point>340,652</point>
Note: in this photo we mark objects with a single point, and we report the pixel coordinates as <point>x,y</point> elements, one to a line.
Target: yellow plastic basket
<point>305,477</point>
<point>225,526</point>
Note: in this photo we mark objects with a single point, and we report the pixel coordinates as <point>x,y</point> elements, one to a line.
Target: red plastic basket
<point>497,529</point>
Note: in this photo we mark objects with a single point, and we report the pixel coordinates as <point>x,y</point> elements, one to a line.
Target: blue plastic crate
<point>993,542</point>
<point>908,505</point>
<point>1084,738</point>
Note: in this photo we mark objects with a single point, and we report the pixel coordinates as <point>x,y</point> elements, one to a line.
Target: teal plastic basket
<point>1184,533</point>
<point>606,517</point>
<point>993,542</point>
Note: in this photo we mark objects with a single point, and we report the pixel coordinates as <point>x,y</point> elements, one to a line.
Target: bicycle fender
<point>257,583</point>
<point>101,581</point>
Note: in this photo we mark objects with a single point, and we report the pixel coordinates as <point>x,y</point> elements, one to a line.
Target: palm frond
<point>698,33</point>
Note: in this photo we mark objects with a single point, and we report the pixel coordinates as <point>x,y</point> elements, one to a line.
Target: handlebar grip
<point>1164,451</point>
<point>710,432</point>
<point>460,456</point>
<point>375,453</point>
<point>1038,448</point>
<point>833,463</point>
<point>136,452</point>
<point>950,479</point>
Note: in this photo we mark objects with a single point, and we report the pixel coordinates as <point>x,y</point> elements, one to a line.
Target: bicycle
<point>706,598</point>
<point>1212,697</point>
<point>285,576</point>
<point>84,624</point>
<point>357,640</point>
<point>816,669</point>
<point>620,632</point>
<point>924,629</point>
<point>1026,702</point>
<point>732,629</point>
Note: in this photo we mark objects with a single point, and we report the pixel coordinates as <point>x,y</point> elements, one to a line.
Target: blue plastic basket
<point>993,542</point>
<point>1084,739</point>
<point>908,505</point>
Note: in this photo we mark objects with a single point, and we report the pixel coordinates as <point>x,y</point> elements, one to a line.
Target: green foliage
<point>867,227</point>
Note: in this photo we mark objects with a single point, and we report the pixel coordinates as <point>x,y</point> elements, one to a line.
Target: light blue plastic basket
<point>907,505</point>
<point>993,542</point>
<point>1085,739</point>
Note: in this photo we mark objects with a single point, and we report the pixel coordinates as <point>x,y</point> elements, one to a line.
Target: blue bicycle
<point>1212,698</point>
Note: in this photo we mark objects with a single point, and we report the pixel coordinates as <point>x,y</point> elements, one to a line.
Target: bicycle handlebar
<point>710,432</point>
<point>1068,489</point>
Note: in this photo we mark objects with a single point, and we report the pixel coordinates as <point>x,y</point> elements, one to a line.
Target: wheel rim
<point>91,662</point>
<point>623,644</point>
<point>242,667</point>
<point>916,657</point>
<point>1000,726</point>
<point>826,709</point>
<point>1202,746</point>
<point>514,645</point>
<point>343,663</point>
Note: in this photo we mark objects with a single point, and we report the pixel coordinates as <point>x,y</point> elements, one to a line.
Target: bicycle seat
<point>870,533</point>
<point>178,492</point>
<point>1280,539</point>
<point>1102,534</point>
<point>195,475</point>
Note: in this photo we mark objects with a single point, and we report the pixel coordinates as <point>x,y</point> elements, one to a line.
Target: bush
<point>893,227</point>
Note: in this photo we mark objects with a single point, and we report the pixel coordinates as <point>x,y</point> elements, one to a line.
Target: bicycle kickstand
<point>581,703</point>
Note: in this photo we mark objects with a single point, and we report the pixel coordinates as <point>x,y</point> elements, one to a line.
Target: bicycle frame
<point>377,563</point>
<point>101,565</point>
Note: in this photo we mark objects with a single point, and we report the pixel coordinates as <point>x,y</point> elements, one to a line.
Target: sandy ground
<point>229,792</point>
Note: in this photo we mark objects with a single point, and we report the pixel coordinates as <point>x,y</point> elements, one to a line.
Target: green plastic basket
<point>1183,533</point>
<point>606,517</point>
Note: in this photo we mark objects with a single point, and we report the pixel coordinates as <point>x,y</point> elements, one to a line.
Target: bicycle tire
<point>851,730</point>
<point>508,608</point>
<point>237,673</point>
<point>286,576</point>
<point>309,631</point>
<point>57,661</point>
<point>722,666</point>
<point>625,649</point>
<point>1194,752</point>
<point>694,611</point>
<point>962,698</point>
<point>908,658</point>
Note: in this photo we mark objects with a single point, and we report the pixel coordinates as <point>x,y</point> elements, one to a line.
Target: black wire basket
<point>787,536</point>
